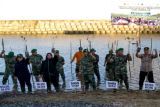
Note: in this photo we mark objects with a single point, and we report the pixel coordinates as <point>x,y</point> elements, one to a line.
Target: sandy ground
<point>105,98</point>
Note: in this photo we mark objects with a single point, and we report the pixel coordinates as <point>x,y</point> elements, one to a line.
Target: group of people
<point>116,66</point>
<point>19,67</point>
<point>87,61</point>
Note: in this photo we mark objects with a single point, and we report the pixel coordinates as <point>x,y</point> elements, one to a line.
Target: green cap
<point>120,49</point>
<point>11,54</point>
<point>34,50</point>
<point>85,50</point>
<point>92,50</point>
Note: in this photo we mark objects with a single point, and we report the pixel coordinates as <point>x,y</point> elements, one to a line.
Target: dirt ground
<point>116,99</point>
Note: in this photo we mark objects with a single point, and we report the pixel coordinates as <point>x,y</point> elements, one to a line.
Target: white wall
<point>61,9</point>
<point>54,9</point>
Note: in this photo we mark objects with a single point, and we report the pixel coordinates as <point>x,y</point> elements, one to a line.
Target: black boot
<point>23,90</point>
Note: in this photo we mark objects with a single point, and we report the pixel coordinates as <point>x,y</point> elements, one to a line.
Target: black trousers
<point>142,76</point>
<point>96,71</point>
<point>52,79</point>
<point>25,80</point>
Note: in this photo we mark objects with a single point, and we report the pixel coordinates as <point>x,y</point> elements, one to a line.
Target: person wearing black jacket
<point>22,73</point>
<point>49,72</point>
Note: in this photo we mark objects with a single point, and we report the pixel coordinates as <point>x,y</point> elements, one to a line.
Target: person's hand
<point>15,78</point>
<point>111,60</point>
<point>91,54</point>
<point>138,49</point>
<point>40,76</point>
<point>79,73</point>
<point>3,51</point>
<point>53,50</point>
<point>27,54</point>
<point>155,50</point>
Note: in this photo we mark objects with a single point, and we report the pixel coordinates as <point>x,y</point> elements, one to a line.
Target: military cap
<point>120,49</point>
<point>34,50</point>
<point>11,54</point>
<point>92,50</point>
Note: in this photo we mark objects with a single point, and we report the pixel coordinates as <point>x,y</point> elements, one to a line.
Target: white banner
<point>5,88</point>
<point>136,12</point>
<point>111,84</point>
<point>75,84</point>
<point>40,85</point>
<point>149,86</point>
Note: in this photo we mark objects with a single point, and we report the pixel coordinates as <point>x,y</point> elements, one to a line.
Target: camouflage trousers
<point>121,76</point>
<point>89,80</point>
<point>6,77</point>
<point>110,74</point>
<point>36,73</point>
<point>36,77</point>
<point>61,72</point>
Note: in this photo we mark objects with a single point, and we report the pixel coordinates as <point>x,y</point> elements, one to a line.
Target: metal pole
<point>71,58</point>
<point>26,51</point>
<point>80,43</point>
<point>129,66</point>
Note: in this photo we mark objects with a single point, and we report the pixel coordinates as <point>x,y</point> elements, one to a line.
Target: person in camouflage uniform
<point>36,61</point>
<point>87,69</point>
<point>110,66</point>
<point>96,66</point>
<point>59,67</point>
<point>121,67</point>
<point>10,62</point>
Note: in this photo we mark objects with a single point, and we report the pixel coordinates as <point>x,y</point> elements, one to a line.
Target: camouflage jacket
<point>36,62</point>
<point>86,65</point>
<point>10,61</point>
<point>121,63</point>
<point>60,63</point>
<point>109,60</point>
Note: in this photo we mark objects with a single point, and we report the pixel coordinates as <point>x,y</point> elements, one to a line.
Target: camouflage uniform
<point>121,70</point>
<point>110,67</point>
<point>87,69</point>
<point>36,61</point>
<point>10,62</point>
<point>59,67</point>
